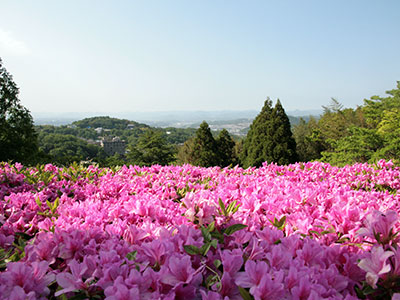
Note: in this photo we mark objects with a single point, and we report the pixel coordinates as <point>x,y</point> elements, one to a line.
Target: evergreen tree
<point>257,146</point>
<point>204,152</point>
<point>284,148</point>
<point>18,139</point>
<point>151,148</point>
<point>225,144</point>
<point>269,138</point>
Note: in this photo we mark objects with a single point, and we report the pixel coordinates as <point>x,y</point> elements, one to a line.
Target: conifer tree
<point>284,148</point>
<point>269,138</point>
<point>225,144</point>
<point>204,152</point>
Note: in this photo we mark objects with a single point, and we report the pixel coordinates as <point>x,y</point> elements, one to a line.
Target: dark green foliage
<point>114,160</point>
<point>284,151</point>
<point>151,148</point>
<point>107,122</point>
<point>225,145</point>
<point>269,138</point>
<point>177,135</point>
<point>63,149</point>
<point>205,150</point>
<point>18,139</point>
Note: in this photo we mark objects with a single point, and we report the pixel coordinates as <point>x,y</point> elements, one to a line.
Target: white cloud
<point>10,45</point>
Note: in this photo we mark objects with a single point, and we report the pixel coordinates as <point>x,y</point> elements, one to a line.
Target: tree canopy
<point>344,135</point>
<point>269,138</point>
<point>151,148</point>
<point>18,139</point>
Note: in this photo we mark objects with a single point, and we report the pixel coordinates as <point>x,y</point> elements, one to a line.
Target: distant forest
<point>338,136</point>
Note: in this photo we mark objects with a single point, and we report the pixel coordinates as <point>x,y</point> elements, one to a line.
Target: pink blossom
<point>74,280</point>
<point>375,265</point>
<point>379,226</point>
<point>179,270</point>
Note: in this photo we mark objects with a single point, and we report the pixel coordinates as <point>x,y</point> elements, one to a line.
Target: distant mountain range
<point>168,118</point>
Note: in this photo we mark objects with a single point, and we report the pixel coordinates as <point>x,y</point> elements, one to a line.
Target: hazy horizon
<point>122,56</point>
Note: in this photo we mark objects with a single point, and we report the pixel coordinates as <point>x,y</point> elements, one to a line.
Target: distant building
<point>114,145</point>
<point>99,130</point>
<point>130,126</point>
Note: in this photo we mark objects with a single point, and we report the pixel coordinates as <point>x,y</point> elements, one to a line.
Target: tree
<point>225,145</point>
<point>373,134</point>
<point>65,149</point>
<point>185,152</point>
<point>151,148</point>
<point>202,150</point>
<point>308,143</point>
<point>269,138</point>
<point>359,146</point>
<point>284,151</point>
<point>258,145</point>
<point>18,139</point>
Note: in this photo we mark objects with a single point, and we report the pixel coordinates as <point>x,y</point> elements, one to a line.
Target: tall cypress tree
<point>225,144</point>
<point>284,150</point>
<point>205,151</point>
<point>269,138</point>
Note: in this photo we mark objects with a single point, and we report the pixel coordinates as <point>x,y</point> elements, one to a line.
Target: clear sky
<point>119,56</point>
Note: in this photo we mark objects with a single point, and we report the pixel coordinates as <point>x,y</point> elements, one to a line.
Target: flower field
<point>303,231</point>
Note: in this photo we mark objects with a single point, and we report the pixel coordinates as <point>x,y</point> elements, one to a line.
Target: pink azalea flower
<point>254,271</point>
<point>379,225</point>
<point>72,281</point>
<point>396,296</point>
<point>120,291</point>
<point>269,287</point>
<point>179,270</point>
<point>232,261</point>
<point>375,265</point>
<point>18,293</point>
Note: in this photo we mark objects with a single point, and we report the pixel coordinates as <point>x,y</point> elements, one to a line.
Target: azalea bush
<point>303,231</point>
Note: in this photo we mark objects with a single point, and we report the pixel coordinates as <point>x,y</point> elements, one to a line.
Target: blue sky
<point>119,56</point>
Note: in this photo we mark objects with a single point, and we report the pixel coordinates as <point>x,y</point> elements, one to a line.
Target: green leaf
<point>55,205</point>
<point>131,255</point>
<point>214,243</point>
<point>206,234</point>
<point>211,226</point>
<point>191,249</point>
<point>218,235</point>
<point>205,248</point>
<point>281,222</point>
<point>210,280</point>
<point>231,229</point>
<point>222,206</point>
<point>38,202</point>
<point>245,294</point>
<point>49,204</point>
<point>236,208</point>
<point>81,296</point>
<point>326,232</point>
<point>217,263</point>
<point>231,206</point>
